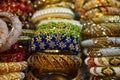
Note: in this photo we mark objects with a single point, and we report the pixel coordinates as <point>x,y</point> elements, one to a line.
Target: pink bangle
<point>15,31</point>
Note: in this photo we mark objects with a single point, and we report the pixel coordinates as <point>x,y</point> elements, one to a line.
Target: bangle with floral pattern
<point>54,42</point>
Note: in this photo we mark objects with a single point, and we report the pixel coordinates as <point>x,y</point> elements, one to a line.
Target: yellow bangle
<point>55,63</point>
<point>12,67</point>
<point>13,76</point>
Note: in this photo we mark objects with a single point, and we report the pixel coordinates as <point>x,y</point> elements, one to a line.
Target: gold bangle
<point>55,63</point>
<point>12,67</point>
<point>103,61</point>
<point>100,11</point>
<point>98,3</point>
<point>101,30</point>
<point>103,78</point>
<point>13,76</point>
<point>106,18</point>
<point>99,52</point>
<point>102,42</point>
<point>30,76</point>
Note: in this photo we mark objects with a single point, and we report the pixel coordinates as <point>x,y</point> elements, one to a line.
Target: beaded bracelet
<point>98,3</point>
<point>15,31</point>
<point>54,42</point>
<point>12,67</point>
<point>100,52</point>
<point>102,42</point>
<point>105,71</point>
<point>3,32</point>
<point>44,63</point>
<point>103,78</point>
<point>13,76</point>
<point>101,30</point>
<point>103,61</point>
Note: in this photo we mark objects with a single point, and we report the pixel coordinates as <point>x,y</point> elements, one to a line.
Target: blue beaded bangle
<point>54,42</point>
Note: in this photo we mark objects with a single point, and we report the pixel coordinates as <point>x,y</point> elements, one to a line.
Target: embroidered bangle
<point>106,18</point>
<point>102,42</point>
<point>52,12</point>
<point>12,67</point>
<point>99,52</point>
<point>105,71</point>
<point>15,31</point>
<point>100,11</point>
<point>3,32</point>
<point>101,30</point>
<point>55,63</point>
<point>103,61</point>
<point>54,42</point>
<point>13,76</point>
<point>103,78</point>
<point>100,3</point>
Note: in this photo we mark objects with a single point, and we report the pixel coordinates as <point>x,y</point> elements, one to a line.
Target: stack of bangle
<point>103,61</point>
<point>52,13</point>
<point>12,67</point>
<point>53,63</point>
<point>101,30</point>
<point>105,71</point>
<point>13,76</point>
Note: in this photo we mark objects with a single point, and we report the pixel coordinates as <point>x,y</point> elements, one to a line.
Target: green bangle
<point>26,32</point>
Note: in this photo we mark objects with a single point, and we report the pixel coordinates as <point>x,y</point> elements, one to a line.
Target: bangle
<point>99,52</point>
<point>13,76</point>
<point>103,78</point>
<point>64,64</point>
<point>102,42</point>
<point>101,30</point>
<point>105,71</point>
<point>98,3</point>
<point>52,12</point>
<point>15,31</point>
<point>101,11</point>
<point>54,42</point>
<point>4,33</point>
<point>103,61</point>
<point>39,4</point>
<point>12,67</point>
<point>30,76</point>
<point>106,18</point>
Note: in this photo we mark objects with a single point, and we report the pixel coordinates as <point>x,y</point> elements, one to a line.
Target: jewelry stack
<point>101,37</point>
<point>55,47</point>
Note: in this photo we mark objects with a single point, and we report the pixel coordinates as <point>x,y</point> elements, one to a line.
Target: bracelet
<point>105,71</point>
<point>101,30</point>
<point>3,32</point>
<point>30,76</point>
<point>100,11</point>
<point>38,4</point>
<point>54,42</point>
<point>99,52</point>
<point>103,61</point>
<point>52,12</point>
<point>15,31</point>
<point>13,76</point>
<point>106,19</point>
<point>103,78</point>
<point>12,67</point>
<point>98,3</point>
<point>54,63</point>
<point>101,42</point>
